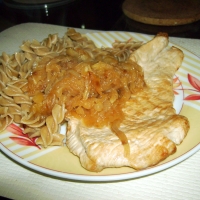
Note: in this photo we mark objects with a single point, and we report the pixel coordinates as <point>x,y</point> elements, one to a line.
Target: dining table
<point>180,181</point>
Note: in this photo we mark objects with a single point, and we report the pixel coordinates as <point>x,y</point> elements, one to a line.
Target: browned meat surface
<point>151,125</point>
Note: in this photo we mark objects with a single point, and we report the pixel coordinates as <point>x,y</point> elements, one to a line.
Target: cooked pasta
<point>46,82</point>
<point>122,50</point>
<point>49,134</point>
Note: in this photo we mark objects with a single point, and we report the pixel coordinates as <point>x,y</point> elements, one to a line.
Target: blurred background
<point>89,14</point>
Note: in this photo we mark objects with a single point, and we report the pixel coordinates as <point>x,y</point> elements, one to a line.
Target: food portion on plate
<point>117,102</point>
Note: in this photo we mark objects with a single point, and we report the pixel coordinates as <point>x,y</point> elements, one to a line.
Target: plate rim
<point>100,178</point>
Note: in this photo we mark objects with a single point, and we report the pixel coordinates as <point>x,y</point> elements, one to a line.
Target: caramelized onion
<point>93,91</point>
<point>115,129</point>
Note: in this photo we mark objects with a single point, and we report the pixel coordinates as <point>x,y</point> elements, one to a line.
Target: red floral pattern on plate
<point>21,138</point>
<point>176,84</point>
<point>195,83</point>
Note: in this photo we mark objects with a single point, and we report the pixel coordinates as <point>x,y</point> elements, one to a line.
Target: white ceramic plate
<point>59,162</point>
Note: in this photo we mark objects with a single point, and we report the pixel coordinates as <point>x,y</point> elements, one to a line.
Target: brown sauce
<point>94,91</point>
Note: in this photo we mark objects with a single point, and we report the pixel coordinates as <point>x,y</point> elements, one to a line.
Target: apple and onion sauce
<point>94,91</point>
